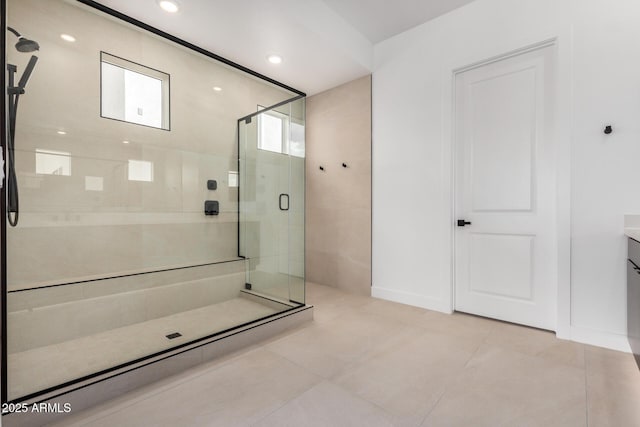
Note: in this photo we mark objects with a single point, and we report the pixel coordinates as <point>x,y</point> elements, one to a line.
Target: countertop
<point>632,226</point>
<point>632,232</point>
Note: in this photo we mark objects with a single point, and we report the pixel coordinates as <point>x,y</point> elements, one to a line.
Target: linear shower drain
<point>174,335</point>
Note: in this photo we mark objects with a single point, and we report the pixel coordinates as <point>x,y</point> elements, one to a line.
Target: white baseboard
<point>593,337</point>
<point>409,298</point>
<point>600,339</point>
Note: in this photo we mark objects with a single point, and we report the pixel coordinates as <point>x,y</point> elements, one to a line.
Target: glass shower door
<point>272,203</point>
<point>296,150</point>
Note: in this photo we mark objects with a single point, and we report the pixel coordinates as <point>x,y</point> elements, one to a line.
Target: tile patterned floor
<point>367,362</point>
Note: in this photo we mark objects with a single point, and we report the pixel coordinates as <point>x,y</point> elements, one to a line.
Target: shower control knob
<point>462,223</point>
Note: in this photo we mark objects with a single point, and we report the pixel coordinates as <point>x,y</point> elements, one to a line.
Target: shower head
<point>24,44</point>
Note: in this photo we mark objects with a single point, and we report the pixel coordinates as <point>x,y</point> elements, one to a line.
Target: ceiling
<point>379,20</point>
<point>324,43</point>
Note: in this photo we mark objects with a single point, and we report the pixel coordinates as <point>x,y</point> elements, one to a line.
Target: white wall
<point>598,60</point>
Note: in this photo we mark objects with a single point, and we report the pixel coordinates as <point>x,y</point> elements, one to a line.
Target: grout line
<point>424,419</point>
<point>364,399</point>
<point>287,401</point>
<point>466,364</point>
<point>450,382</point>
<point>293,362</point>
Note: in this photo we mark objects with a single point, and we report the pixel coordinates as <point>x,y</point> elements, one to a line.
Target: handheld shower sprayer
<point>14,92</point>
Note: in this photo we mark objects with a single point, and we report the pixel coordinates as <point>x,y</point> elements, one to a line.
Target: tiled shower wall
<point>93,220</point>
<point>338,209</point>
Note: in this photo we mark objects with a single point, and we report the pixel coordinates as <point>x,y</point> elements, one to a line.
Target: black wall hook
<point>321,168</point>
<point>344,165</point>
<point>608,130</point>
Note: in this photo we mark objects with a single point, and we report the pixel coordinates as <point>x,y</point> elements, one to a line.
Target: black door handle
<point>462,223</point>
<point>280,199</point>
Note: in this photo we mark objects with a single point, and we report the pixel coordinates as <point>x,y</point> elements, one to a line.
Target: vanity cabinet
<point>633,298</point>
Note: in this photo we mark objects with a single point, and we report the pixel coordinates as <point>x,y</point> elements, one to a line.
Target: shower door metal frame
<point>154,30</point>
<point>249,118</point>
<point>3,194</point>
<point>3,204</point>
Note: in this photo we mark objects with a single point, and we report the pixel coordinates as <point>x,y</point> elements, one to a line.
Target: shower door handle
<point>280,199</point>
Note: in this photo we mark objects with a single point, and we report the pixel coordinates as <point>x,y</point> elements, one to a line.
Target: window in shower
<point>140,170</point>
<point>134,93</point>
<point>296,139</point>
<point>272,132</point>
<point>279,134</point>
<point>50,162</point>
<point>93,183</point>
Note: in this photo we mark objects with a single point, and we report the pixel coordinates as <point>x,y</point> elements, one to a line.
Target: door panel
<point>505,186</point>
<point>502,140</point>
<point>264,230</point>
<point>501,265</point>
<point>271,229</point>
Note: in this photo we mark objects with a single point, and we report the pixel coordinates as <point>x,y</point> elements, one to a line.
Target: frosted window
<point>50,162</point>
<point>93,183</point>
<point>277,133</point>
<point>134,93</point>
<point>296,140</point>
<point>140,170</point>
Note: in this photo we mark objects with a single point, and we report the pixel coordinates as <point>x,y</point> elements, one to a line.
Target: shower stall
<point>161,198</point>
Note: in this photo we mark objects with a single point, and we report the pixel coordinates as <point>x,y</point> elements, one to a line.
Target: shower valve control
<point>211,207</point>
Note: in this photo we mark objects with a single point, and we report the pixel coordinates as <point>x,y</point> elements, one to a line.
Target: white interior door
<point>505,260</point>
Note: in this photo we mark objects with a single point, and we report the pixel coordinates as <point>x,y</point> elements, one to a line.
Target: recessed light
<point>217,88</point>
<point>169,6</point>
<point>125,142</point>
<point>67,38</point>
<point>61,132</point>
<point>274,59</point>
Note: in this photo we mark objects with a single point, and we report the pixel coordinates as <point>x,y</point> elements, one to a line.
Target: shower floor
<point>44,367</point>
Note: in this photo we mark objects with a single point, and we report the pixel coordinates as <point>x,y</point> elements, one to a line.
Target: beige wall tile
<point>338,210</point>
